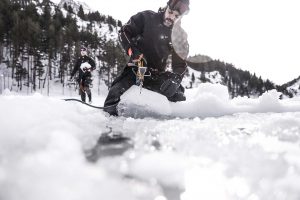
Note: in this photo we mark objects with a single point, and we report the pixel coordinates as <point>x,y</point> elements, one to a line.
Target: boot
<point>82,95</point>
<point>178,96</point>
<point>90,97</point>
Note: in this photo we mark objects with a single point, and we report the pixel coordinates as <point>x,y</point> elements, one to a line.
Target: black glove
<point>171,85</point>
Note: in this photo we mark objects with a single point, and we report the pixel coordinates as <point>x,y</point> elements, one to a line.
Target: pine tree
<point>65,6</point>
<point>70,9</point>
<point>269,85</point>
<point>80,13</point>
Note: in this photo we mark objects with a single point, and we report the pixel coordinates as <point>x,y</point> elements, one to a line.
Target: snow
<point>207,100</point>
<point>211,147</point>
<point>145,100</point>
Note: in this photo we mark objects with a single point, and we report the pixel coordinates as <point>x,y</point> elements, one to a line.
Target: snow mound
<point>208,100</point>
<point>143,103</point>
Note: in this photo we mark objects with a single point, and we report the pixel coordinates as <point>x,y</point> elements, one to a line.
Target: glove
<point>171,85</point>
<point>85,69</point>
<point>135,54</point>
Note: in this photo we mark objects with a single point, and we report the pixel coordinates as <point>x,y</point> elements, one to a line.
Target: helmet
<point>182,6</point>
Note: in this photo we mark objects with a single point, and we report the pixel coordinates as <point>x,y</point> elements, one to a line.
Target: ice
<point>212,147</point>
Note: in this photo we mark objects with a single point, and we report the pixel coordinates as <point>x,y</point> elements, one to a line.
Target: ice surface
<point>225,149</point>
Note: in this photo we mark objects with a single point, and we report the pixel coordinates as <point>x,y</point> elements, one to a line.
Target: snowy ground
<point>210,148</point>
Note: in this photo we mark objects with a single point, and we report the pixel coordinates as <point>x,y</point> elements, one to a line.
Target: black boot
<point>89,94</point>
<point>82,95</point>
<point>178,96</point>
<point>111,109</point>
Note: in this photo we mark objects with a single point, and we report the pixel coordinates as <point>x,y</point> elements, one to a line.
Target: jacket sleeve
<point>92,63</point>
<point>131,30</point>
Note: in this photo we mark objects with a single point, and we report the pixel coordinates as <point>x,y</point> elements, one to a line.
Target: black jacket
<point>83,73</point>
<point>146,32</point>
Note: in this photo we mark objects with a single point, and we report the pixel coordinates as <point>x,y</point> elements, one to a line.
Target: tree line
<point>238,82</point>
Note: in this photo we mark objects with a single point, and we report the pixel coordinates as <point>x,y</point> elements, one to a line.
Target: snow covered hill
<point>210,77</point>
<point>102,29</point>
<point>295,88</point>
<point>75,5</point>
<point>45,143</point>
<point>292,88</point>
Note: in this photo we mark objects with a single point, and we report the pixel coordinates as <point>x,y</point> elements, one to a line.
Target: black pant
<point>84,88</point>
<point>127,78</point>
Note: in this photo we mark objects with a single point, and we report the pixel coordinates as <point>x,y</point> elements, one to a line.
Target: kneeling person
<point>147,36</point>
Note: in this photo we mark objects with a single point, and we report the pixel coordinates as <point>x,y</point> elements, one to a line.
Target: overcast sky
<point>261,36</point>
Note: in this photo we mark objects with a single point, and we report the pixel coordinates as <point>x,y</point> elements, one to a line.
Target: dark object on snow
<point>109,144</point>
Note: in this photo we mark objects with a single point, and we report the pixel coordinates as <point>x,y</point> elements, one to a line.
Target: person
<point>85,65</point>
<point>147,37</point>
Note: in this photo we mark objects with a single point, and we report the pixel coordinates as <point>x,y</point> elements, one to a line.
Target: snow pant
<point>84,89</point>
<point>127,78</point>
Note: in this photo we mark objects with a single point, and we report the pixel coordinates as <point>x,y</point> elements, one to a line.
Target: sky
<point>252,153</point>
<point>261,36</point>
